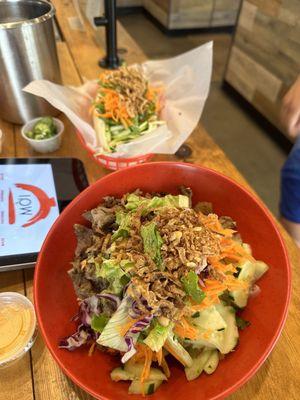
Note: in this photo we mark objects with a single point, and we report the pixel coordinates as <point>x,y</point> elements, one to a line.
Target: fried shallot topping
<point>131,85</point>
<point>187,244</point>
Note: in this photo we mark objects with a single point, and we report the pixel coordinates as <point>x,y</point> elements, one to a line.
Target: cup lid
<point>17,326</point>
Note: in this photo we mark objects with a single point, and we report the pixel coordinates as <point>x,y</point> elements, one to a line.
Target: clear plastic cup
<point>18,327</point>
<point>44,145</point>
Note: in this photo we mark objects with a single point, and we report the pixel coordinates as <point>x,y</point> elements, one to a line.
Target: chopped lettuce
<point>124,221</point>
<point>157,336</point>
<point>152,242</point>
<point>114,274</point>
<point>191,287</point>
<point>111,335</point>
<point>134,201</point>
<point>98,322</point>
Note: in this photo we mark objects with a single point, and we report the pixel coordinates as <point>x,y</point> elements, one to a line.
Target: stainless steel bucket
<point>27,52</point>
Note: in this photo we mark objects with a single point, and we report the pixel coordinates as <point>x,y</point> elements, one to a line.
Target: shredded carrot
<point>226,241</point>
<point>148,361</point>
<point>232,256</point>
<point>108,90</point>
<point>139,355</point>
<point>92,349</point>
<point>185,330</point>
<point>165,367</point>
<point>125,328</point>
<point>212,222</point>
<point>213,287</point>
<point>207,302</point>
<point>233,284</point>
<point>212,283</point>
<point>105,115</point>
<point>159,356</point>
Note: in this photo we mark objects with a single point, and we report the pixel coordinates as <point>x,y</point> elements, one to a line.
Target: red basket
<point>113,163</point>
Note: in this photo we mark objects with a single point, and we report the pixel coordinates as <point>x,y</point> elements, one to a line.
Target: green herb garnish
<point>191,287</point>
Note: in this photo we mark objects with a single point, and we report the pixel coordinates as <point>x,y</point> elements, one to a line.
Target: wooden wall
<point>187,14</point>
<point>180,14</point>
<point>265,56</point>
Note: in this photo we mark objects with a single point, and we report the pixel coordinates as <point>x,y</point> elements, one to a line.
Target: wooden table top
<point>37,376</point>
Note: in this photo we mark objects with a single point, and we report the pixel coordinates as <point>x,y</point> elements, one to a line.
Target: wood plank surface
<point>8,140</point>
<point>16,380</point>
<point>77,62</point>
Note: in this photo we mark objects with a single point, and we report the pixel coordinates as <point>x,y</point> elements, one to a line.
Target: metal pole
<point>111,60</point>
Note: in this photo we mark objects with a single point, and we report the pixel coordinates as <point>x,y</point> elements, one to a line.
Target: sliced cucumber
<point>224,340</point>
<point>147,387</point>
<point>198,365</point>
<point>135,370</point>
<point>119,374</point>
<point>250,272</point>
<point>209,318</point>
<point>247,248</point>
<point>178,351</point>
<point>240,297</point>
<point>213,342</point>
<point>143,126</point>
<point>212,362</point>
<point>247,274</point>
<point>260,269</point>
<point>116,128</point>
<point>230,334</point>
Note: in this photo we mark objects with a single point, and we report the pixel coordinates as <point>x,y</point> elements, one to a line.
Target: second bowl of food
<point>179,284</point>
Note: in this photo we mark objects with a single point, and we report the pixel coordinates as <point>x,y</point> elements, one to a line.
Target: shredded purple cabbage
<point>80,337</point>
<point>112,297</point>
<point>131,349</point>
<point>87,309</point>
<point>138,327</point>
<point>135,312</point>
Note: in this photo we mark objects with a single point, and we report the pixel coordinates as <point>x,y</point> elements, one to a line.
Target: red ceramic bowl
<point>55,300</point>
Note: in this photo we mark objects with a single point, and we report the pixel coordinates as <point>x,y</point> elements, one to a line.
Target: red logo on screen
<point>45,204</point>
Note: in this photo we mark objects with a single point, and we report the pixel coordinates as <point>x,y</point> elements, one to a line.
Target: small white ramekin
<point>44,145</point>
<point>14,298</point>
